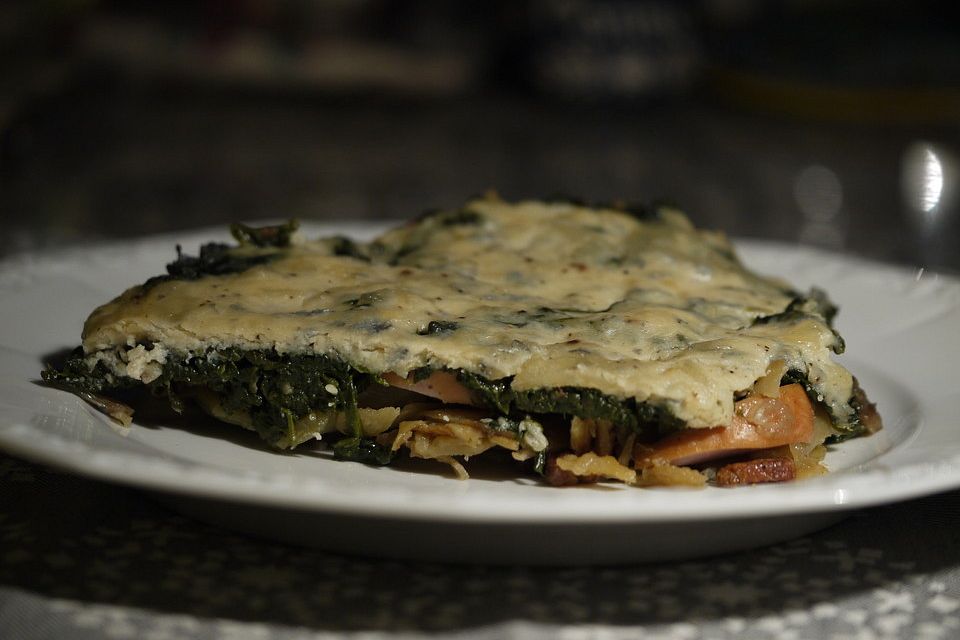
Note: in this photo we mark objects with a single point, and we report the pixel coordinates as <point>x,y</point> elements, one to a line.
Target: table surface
<point>81,558</point>
<point>101,164</point>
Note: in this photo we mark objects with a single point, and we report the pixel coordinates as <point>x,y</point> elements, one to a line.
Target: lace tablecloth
<point>83,559</point>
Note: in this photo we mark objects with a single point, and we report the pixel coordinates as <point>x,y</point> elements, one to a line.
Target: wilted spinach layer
<point>276,390</point>
<point>217,258</point>
<point>648,419</point>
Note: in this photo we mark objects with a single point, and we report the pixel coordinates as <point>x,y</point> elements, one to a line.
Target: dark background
<point>835,124</point>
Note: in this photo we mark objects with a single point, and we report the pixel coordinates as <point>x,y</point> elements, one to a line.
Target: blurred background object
<point>835,124</point>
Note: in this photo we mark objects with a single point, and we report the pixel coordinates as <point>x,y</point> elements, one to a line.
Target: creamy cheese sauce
<point>552,294</point>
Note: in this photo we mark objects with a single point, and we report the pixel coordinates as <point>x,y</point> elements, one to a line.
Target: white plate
<point>901,327</point>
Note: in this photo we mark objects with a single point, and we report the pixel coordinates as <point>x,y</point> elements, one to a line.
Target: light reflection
<point>932,186</point>
<point>818,193</point>
<point>819,197</point>
<point>928,172</point>
<point>839,496</point>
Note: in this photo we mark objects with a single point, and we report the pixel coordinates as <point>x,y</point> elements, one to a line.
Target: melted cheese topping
<point>552,294</point>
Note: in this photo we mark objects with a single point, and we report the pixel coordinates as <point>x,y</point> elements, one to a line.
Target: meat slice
<point>759,423</point>
<point>441,385</point>
<point>757,471</point>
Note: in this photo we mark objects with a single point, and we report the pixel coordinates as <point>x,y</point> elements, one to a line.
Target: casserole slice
<point>582,342</point>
